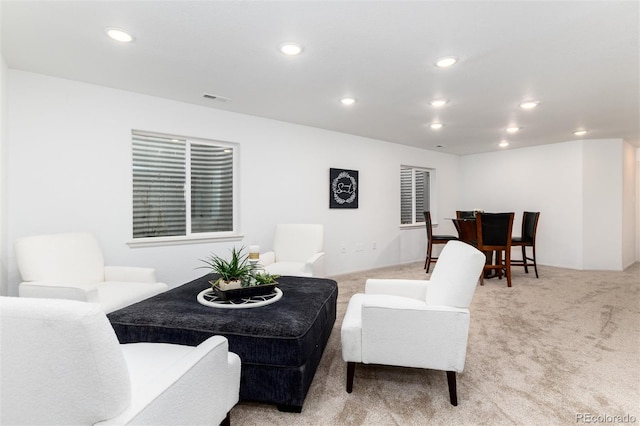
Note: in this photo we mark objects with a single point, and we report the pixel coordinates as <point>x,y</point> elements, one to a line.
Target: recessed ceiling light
<point>512,129</point>
<point>291,49</point>
<point>438,102</point>
<point>447,61</point>
<point>580,132</point>
<point>119,35</point>
<point>529,104</point>
<point>436,126</point>
<point>503,144</point>
<point>348,101</point>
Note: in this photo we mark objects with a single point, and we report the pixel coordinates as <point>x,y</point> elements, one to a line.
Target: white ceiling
<point>579,59</point>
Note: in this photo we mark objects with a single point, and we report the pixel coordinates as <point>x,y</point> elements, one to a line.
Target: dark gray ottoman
<point>280,345</point>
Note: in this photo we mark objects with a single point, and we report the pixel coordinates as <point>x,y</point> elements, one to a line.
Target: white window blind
<point>415,195</point>
<point>211,188</point>
<point>181,186</point>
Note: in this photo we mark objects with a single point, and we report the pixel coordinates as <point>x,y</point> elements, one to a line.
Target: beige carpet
<point>548,351</point>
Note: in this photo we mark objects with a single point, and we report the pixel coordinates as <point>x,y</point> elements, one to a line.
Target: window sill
<point>413,226</point>
<point>184,239</point>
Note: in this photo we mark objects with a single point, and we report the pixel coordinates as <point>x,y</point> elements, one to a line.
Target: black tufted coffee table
<point>280,344</point>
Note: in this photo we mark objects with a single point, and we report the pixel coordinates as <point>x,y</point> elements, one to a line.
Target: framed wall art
<point>343,189</point>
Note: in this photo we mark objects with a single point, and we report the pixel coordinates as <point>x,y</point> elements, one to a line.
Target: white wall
<point>547,179</point>
<point>578,188</point>
<point>4,285</point>
<point>629,210</point>
<point>70,169</point>
<point>637,212</point>
<point>602,204</point>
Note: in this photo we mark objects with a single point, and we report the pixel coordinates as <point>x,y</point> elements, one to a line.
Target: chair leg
<point>351,369</point>
<point>453,393</point>
<point>427,263</point>
<point>507,267</point>
<point>227,420</point>
<point>524,258</point>
<point>535,264</point>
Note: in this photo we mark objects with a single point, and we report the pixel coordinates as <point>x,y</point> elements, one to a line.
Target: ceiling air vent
<point>216,97</point>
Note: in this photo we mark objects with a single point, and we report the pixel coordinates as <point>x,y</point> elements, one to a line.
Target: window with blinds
<point>415,185</point>
<point>181,186</point>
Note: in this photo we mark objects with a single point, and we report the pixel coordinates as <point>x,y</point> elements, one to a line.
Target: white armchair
<point>71,266</point>
<point>297,250</point>
<point>62,365</point>
<point>415,323</point>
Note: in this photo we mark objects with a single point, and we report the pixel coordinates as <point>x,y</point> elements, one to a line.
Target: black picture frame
<point>343,189</point>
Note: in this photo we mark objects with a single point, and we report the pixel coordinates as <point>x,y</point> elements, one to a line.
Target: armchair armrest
<point>267,258</point>
<point>194,390</point>
<point>51,290</point>
<point>315,265</point>
<point>433,337</point>
<point>415,289</point>
<point>129,274</point>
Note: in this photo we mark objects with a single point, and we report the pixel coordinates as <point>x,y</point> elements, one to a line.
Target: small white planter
<point>229,285</point>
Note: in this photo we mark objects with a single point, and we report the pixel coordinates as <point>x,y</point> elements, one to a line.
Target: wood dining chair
<point>433,239</point>
<point>494,235</point>
<point>465,214</point>
<point>466,230</point>
<point>527,239</point>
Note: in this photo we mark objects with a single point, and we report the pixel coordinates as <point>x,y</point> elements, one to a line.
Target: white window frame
<point>190,237</point>
<point>418,222</point>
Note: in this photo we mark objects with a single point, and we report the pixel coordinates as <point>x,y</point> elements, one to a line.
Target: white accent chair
<point>62,365</point>
<point>71,266</point>
<point>297,250</point>
<point>415,323</point>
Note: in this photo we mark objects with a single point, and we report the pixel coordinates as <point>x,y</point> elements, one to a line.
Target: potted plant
<point>263,278</point>
<point>234,273</point>
<point>238,277</point>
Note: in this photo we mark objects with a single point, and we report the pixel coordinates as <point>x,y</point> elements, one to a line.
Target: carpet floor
<point>561,349</point>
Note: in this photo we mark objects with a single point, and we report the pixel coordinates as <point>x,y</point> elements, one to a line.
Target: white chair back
<point>61,361</point>
<point>71,258</point>
<point>455,276</point>
<point>297,242</point>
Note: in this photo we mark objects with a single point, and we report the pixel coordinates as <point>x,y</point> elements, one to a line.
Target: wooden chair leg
<point>427,263</point>
<point>351,369</point>
<point>524,258</point>
<point>453,392</point>
<point>507,267</point>
<point>535,264</point>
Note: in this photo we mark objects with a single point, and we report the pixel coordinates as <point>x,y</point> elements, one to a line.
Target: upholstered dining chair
<point>62,365</point>
<point>71,266</point>
<point>433,239</point>
<point>415,323</point>
<point>297,250</point>
<point>526,239</point>
<point>494,237</point>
